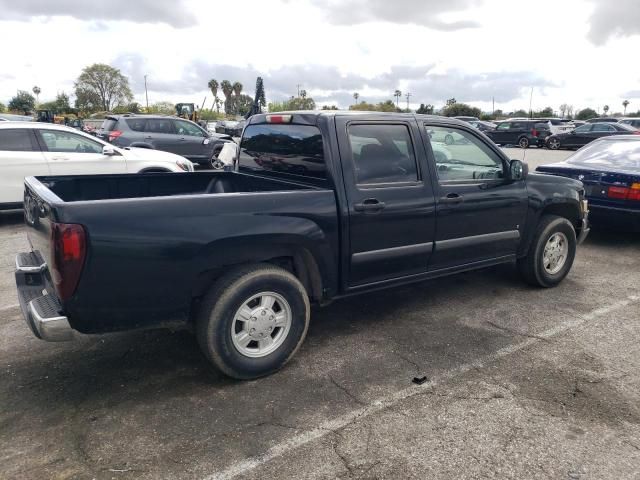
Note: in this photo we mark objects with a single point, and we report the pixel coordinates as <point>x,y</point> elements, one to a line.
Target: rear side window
<point>382,154</point>
<point>109,124</point>
<point>15,140</point>
<point>518,126</point>
<point>283,150</point>
<point>541,126</point>
<point>159,125</point>
<point>603,127</point>
<point>136,124</point>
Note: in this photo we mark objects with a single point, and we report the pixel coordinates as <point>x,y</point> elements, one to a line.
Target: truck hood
<point>555,180</point>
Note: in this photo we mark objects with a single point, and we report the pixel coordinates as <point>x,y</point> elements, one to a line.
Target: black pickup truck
<point>319,205</point>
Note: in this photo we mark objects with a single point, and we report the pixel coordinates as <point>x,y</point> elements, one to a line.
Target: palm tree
<point>625,104</point>
<point>356,96</point>
<point>227,90</point>
<point>397,94</point>
<point>36,90</point>
<point>213,86</point>
<point>605,109</point>
<point>237,90</point>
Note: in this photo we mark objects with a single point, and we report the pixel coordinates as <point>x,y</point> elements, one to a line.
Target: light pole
<point>146,94</point>
<point>408,95</point>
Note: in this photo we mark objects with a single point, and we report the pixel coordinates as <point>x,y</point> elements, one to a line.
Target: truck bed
<point>76,188</point>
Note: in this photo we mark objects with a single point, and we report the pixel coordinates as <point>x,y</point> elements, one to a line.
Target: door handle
<point>59,158</point>
<point>452,198</point>
<point>369,205</point>
<point>148,137</point>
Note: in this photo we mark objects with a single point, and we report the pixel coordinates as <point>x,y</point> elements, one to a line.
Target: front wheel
<point>253,320</point>
<point>215,162</point>
<point>551,253</point>
<point>554,144</point>
<point>523,142</point>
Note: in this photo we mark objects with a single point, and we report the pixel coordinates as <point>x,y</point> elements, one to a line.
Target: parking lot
<point>520,383</point>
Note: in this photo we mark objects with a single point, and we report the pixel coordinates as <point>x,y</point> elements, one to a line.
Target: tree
<point>625,104</point>
<point>457,109</point>
<point>244,104</point>
<point>293,104</point>
<point>227,91</point>
<point>325,107</point>
<point>23,102</point>
<point>105,85</point>
<point>163,108</point>
<point>356,96</point>
<point>563,109</point>
<point>397,94</point>
<point>3,108</point>
<point>569,111</point>
<point>386,106</point>
<point>59,105</point>
<point>213,86</point>
<point>605,109</point>
<point>36,91</point>
<point>260,98</point>
<point>586,114</point>
<point>452,101</point>
<point>545,112</point>
<point>520,113</point>
<point>425,109</point>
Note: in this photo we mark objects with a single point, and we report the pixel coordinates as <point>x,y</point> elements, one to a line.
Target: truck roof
<point>311,116</point>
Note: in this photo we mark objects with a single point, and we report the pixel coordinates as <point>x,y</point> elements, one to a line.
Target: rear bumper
<point>40,307</point>
<point>618,218</point>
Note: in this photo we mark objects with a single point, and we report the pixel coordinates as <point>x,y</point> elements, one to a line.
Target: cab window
<point>466,159</point>
<point>189,129</point>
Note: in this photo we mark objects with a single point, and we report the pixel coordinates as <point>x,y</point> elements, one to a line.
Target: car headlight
<point>185,165</point>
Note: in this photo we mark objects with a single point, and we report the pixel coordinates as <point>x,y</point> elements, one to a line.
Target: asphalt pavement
<point>520,383</point>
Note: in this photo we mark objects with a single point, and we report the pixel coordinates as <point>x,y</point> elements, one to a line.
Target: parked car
<point>226,126</point>
<point>291,227</point>
<point>30,148</point>
<point>523,133</point>
<point>609,168</point>
<point>482,126</point>
<point>603,120</point>
<point>559,125</point>
<point>211,126</point>
<point>634,122</point>
<point>170,134</point>
<point>588,133</point>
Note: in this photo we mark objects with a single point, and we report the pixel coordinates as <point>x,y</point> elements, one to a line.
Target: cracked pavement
<point>556,403</point>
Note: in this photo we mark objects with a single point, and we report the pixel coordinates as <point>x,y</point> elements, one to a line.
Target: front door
<point>479,212</point>
<point>69,153</point>
<point>190,141</point>
<point>390,198</point>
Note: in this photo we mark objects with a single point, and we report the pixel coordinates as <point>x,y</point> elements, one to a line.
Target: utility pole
<point>493,106</point>
<point>298,89</point>
<point>408,95</point>
<point>146,94</point>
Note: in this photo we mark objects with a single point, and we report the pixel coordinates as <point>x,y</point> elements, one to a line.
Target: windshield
<point>623,154</point>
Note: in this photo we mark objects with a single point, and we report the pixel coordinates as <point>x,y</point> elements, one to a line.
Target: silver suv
<point>170,134</point>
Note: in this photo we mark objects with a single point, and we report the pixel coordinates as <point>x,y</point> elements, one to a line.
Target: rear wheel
<point>523,142</point>
<point>554,144</point>
<point>253,320</point>
<point>551,253</point>
<point>215,163</point>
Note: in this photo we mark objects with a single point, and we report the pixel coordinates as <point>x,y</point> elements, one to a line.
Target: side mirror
<point>518,170</point>
<point>229,155</point>
<point>109,151</point>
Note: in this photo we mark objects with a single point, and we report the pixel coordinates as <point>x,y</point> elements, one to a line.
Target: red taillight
<point>637,132</point>
<point>114,134</point>
<point>625,193</point>
<point>68,251</point>
<point>279,118</point>
<point>534,132</point>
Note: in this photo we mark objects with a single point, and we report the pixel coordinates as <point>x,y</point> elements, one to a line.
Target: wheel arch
<point>568,210</point>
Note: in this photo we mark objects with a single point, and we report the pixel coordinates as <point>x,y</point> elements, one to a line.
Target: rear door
<point>160,133</point>
<point>501,133</point>
<point>390,199</point>
<point>20,157</point>
<point>69,153</point>
<point>479,213</point>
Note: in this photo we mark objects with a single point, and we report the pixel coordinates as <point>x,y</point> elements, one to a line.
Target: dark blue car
<point>609,168</point>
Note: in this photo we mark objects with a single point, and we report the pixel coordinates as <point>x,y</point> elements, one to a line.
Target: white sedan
<point>30,148</point>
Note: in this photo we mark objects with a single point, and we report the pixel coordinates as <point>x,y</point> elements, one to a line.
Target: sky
<point>578,52</point>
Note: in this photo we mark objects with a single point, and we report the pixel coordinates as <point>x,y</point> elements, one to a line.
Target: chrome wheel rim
<point>524,143</point>
<point>555,253</point>
<point>554,144</point>
<point>261,325</point>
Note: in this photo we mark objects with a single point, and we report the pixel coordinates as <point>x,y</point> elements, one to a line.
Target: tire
<point>448,139</point>
<point>535,268</point>
<point>219,324</point>
<point>523,142</point>
<point>554,144</point>
<point>156,170</point>
<point>213,161</point>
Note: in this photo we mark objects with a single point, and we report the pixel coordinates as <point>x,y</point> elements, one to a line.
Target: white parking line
<point>9,307</point>
<point>387,401</point>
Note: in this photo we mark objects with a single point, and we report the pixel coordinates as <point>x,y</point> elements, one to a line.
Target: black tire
<point>532,267</point>
<point>554,144</point>
<point>216,313</point>
<point>523,142</point>
<point>448,139</point>
<point>213,161</point>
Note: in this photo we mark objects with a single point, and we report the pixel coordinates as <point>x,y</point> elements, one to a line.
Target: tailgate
<point>38,215</point>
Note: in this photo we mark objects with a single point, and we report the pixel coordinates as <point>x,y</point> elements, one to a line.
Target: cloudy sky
<point>580,52</point>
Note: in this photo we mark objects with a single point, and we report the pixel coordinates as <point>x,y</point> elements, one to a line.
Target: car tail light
<point>637,132</point>
<point>625,193</point>
<point>114,134</point>
<point>68,252</point>
<point>279,118</point>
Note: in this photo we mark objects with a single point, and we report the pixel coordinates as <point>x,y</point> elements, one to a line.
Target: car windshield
<point>623,154</point>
